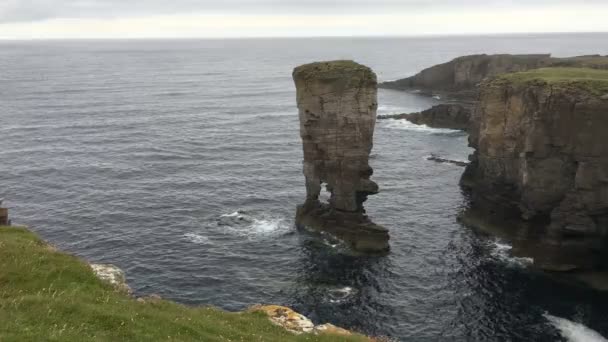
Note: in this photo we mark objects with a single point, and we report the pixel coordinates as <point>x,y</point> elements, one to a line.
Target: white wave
<point>502,252</point>
<point>243,224</point>
<point>437,97</point>
<point>266,227</point>
<point>338,295</point>
<point>196,238</point>
<point>574,332</point>
<point>388,109</point>
<point>234,214</point>
<point>408,126</point>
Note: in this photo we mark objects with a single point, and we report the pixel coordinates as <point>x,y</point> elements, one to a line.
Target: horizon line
<point>422,35</point>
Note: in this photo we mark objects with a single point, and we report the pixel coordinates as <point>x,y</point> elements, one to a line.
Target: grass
<point>47,295</point>
<point>333,69</point>
<point>594,80</point>
<point>597,62</point>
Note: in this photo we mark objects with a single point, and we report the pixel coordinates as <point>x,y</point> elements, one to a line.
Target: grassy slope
<point>594,80</point>
<point>49,295</point>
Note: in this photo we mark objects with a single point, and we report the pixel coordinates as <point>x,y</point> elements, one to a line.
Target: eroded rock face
<point>297,323</point>
<point>337,104</point>
<point>462,74</point>
<point>459,77</point>
<point>542,154</point>
<point>112,275</point>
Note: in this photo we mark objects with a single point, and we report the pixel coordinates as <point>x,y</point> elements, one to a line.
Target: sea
<point>180,161</point>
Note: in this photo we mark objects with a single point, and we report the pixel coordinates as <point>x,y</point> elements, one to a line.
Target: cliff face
<point>337,104</point>
<point>461,76</point>
<point>464,73</point>
<point>542,152</point>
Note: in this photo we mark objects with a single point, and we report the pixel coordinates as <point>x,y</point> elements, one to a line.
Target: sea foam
<point>502,251</point>
<point>574,332</point>
<point>408,126</point>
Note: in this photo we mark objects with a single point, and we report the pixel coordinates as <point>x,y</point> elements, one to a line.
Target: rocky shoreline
<point>540,161</point>
<point>540,154</point>
<point>450,115</point>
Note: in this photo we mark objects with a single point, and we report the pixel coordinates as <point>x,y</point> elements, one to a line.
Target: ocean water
<point>180,162</point>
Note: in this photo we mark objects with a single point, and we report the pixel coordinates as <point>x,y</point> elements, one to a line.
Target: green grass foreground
<point>594,80</point>
<point>47,295</point>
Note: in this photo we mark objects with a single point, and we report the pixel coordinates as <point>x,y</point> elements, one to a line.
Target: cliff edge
<point>50,295</point>
<point>541,152</point>
<point>461,75</point>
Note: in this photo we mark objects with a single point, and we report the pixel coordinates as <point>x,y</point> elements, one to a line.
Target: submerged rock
<point>337,104</point>
<point>449,115</point>
<point>438,159</point>
<point>541,154</point>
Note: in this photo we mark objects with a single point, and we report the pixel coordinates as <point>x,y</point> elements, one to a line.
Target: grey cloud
<point>32,10</point>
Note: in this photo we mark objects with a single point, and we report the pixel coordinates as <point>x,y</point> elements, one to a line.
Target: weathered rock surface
<point>542,154</point>
<point>112,275</point>
<point>286,318</point>
<point>461,75</point>
<point>297,323</point>
<point>449,115</point>
<point>337,104</point>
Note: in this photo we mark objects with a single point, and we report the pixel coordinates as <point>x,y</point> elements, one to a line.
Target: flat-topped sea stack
<point>542,155</point>
<point>337,104</point>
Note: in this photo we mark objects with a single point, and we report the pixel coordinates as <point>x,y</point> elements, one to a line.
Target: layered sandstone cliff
<point>461,75</point>
<point>542,151</point>
<point>337,104</point>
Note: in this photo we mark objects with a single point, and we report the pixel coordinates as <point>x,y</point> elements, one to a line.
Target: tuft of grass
<point>589,79</point>
<point>47,295</point>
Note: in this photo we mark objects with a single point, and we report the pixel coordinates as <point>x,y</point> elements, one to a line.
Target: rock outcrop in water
<point>449,115</point>
<point>4,221</point>
<point>337,104</point>
<point>542,154</point>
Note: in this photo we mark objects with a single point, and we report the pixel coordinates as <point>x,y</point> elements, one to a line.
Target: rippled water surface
<point>180,161</point>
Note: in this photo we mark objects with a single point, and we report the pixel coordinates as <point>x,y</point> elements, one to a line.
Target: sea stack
<point>337,103</point>
<point>542,156</point>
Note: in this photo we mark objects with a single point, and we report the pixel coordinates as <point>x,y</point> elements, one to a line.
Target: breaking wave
<point>502,252</point>
<point>242,223</point>
<point>408,126</point>
<point>574,332</point>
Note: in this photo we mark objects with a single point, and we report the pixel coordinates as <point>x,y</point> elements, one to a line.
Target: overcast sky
<point>24,19</point>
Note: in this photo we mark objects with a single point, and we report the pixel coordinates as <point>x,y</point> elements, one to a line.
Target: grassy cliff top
<point>593,80</point>
<point>596,62</point>
<point>47,295</point>
<point>331,69</point>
